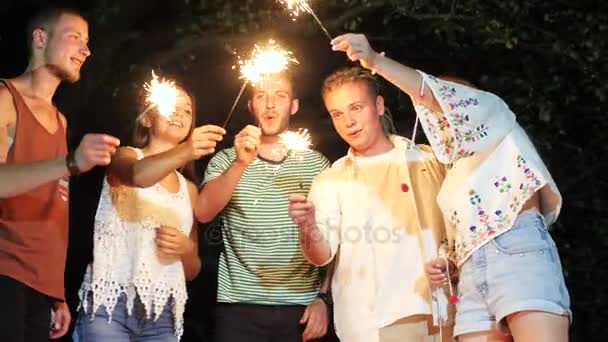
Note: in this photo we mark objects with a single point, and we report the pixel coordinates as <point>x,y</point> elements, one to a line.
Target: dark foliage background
<point>546,58</point>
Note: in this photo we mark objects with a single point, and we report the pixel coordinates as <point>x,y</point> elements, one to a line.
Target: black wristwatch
<point>325,297</point>
<point>70,163</point>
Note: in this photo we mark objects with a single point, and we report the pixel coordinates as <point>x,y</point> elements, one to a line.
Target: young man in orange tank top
<point>34,168</point>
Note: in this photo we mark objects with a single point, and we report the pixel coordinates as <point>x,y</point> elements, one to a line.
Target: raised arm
<point>128,170</point>
<point>223,174</point>
<point>357,48</point>
<point>458,120</point>
<point>15,179</point>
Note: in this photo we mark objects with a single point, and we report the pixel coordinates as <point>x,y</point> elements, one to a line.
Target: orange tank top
<point>34,225</point>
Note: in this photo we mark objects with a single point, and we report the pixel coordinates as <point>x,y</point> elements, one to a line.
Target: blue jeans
<point>125,328</point>
<point>518,271</point>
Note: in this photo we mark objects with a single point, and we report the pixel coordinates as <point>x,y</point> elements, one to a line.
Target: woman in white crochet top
<point>146,242</point>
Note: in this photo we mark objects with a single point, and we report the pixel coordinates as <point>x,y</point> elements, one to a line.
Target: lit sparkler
<point>265,60</point>
<point>161,94</point>
<point>297,6</point>
<point>292,142</point>
<point>296,140</point>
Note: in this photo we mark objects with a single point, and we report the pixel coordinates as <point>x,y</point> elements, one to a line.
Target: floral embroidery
<point>485,225</point>
<point>454,218</point>
<point>474,135</point>
<point>503,185</point>
<point>445,91</point>
<point>501,188</point>
<point>460,243</point>
<point>530,175</point>
<point>478,234</point>
<point>459,119</point>
<point>525,188</point>
<point>450,131</point>
<point>443,123</point>
<point>464,103</point>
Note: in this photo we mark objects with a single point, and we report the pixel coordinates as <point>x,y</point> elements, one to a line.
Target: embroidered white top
<point>495,167</point>
<point>124,253</point>
<point>374,213</point>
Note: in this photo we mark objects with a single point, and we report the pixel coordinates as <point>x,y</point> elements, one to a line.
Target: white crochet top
<point>124,252</point>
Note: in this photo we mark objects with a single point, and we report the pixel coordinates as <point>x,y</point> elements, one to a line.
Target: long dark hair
<point>141,133</point>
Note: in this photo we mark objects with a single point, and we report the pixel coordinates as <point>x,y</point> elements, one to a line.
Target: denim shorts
<point>124,327</point>
<point>518,271</point>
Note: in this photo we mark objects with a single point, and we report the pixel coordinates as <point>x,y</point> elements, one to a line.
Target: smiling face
<point>178,125</point>
<point>272,103</point>
<point>64,46</point>
<point>173,129</point>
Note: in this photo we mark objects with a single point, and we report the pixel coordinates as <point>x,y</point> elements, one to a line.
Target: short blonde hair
<point>348,75</point>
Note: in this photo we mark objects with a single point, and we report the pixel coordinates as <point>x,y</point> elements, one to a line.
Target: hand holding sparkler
<point>357,48</point>
<point>441,272</point>
<point>301,211</point>
<point>94,150</point>
<point>246,144</point>
<point>297,6</point>
<point>202,141</point>
<point>265,60</point>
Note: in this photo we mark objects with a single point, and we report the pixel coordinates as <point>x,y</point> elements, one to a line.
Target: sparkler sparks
<point>265,60</point>
<point>297,6</point>
<point>161,94</point>
<point>296,141</point>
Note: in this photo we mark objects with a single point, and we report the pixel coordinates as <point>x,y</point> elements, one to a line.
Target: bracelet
<point>325,297</point>
<point>70,163</point>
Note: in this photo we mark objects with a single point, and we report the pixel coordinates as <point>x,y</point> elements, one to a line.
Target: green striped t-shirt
<point>262,262</point>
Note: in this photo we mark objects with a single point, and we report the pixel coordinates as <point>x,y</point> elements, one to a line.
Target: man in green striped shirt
<point>267,290</point>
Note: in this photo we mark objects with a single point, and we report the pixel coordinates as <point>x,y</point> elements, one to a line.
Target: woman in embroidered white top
<point>145,236</point>
<point>499,199</point>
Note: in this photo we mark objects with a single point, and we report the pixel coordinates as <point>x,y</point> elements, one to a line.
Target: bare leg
<point>537,326</point>
<point>485,336</point>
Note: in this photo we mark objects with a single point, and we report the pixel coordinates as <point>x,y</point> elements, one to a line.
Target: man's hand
<point>301,211</point>
<point>357,48</point>
<point>316,320</point>
<point>436,272</point>
<point>61,323</point>
<point>94,150</point>
<point>246,144</point>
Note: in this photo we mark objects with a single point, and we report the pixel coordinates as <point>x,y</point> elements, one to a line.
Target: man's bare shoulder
<point>8,114</point>
<point>8,118</point>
